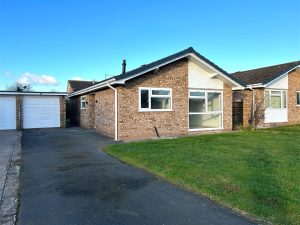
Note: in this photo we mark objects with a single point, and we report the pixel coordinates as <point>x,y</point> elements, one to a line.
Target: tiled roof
<point>78,85</point>
<point>167,59</point>
<point>264,75</point>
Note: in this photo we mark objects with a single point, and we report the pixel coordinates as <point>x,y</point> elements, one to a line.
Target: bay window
<point>276,99</point>
<point>155,99</point>
<point>205,110</point>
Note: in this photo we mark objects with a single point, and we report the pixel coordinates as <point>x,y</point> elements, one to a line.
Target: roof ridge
<point>188,50</point>
<point>266,67</point>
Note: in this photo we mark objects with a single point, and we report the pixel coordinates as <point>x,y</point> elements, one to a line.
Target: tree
<point>19,87</point>
<point>258,107</point>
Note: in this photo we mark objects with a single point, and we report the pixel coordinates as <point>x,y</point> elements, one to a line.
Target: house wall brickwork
<point>294,86</point>
<point>134,124</point>
<point>227,107</point>
<point>247,97</point>
<point>87,115</point>
<point>105,112</point>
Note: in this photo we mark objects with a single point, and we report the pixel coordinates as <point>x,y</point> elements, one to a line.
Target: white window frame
<point>268,103</point>
<point>297,93</point>
<point>206,108</point>
<point>150,89</point>
<point>83,100</point>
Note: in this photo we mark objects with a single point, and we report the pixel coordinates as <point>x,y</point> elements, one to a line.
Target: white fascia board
<point>93,88</point>
<point>183,56</point>
<point>238,88</point>
<point>259,85</point>
<point>152,68</point>
<point>33,93</point>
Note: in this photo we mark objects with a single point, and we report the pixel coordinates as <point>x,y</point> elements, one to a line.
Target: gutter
<point>259,85</point>
<point>92,88</point>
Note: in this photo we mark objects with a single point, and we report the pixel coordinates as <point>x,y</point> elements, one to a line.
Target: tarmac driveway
<point>67,179</point>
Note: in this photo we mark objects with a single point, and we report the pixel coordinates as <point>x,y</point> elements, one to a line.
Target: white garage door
<point>41,112</point>
<point>7,113</point>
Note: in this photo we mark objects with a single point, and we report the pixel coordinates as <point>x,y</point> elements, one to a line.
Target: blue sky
<point>48,42</point>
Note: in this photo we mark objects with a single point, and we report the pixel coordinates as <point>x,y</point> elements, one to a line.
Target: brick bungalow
<point>275,88</point>
<point>176,95</point>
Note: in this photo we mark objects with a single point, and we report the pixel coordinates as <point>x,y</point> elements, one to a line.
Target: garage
<point>26,110</point>
<point>7,112</point>
<point>41,112</point>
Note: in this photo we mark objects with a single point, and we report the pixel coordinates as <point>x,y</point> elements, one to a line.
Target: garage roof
<point>33,93</point>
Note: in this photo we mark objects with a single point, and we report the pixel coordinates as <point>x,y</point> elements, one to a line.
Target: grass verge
<point>257,172</point>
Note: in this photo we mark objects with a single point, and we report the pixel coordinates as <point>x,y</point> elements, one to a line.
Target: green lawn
<point>257,172</point>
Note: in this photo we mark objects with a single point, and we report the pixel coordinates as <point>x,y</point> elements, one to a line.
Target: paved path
<point>10,150</point>
<point>67,179</point>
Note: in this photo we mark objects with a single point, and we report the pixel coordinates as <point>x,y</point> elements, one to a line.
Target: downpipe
<point>116,110</point>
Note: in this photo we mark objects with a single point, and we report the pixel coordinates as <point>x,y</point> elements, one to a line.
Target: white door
<point>41,111</point>
<point>7,112</point>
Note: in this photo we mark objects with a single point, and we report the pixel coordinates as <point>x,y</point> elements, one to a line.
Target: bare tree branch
<point>19,87</point>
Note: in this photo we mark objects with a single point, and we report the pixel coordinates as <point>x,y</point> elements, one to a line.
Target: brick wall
<point>62,102</point>
<point>19,111</point>
<point>294,86</point>
<point>247,97</point>
<point>87,115</point>
<point>134,124</point>
<point>227,107</point>
<point>105,112</point>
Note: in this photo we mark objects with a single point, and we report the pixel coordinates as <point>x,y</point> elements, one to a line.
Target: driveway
<point>67,179</point>
<point>10,151</point>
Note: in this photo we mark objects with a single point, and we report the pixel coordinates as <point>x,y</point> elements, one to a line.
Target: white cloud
<point>29,78</point>
<point>76,78</point>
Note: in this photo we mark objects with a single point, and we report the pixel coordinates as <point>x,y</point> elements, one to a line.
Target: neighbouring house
<point>272,92</point>
<point>177,95</point>
<point>76,85</point>
<point>23,110</point>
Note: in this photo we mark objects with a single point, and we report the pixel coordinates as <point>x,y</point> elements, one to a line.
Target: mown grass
<point>257,172</point>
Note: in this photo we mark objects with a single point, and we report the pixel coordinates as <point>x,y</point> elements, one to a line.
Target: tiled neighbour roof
<point>78,85</point>
<point>264,75</point>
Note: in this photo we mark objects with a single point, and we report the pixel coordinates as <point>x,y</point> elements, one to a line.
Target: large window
<point>276,99</point>
<point>205,110</point>
<point>83,102</point>
<point>155,99</point>
<point>298,98</point>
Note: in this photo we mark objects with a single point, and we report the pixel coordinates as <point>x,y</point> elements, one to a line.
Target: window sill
<point>159,110</point>
<point>206,129</point>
